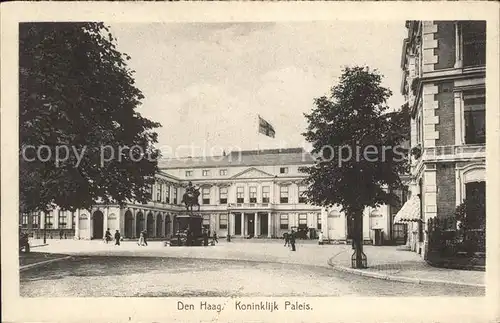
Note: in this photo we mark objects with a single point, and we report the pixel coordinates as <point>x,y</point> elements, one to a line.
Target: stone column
<point>269,226</point>
<point>55,211</point>
<point>242,224</point>
<point>231,224</point>
<point>255,225</point>
<point>77,225</point>
<point>134,226</point>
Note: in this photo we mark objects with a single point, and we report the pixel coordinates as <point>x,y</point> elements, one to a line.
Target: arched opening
<point>150,224</point>
<point>139,223</point>
<point>98,225</point>
<point>159,225</point>
<point>129,224</point>
<point>167,225</point>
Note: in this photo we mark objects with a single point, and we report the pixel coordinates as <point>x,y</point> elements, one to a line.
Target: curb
<point>39,245</point>
<point>41,263</point>
<point>402,279</point>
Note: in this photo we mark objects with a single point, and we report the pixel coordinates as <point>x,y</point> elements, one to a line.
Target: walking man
<point>292,240</point>
<point>117,238</point>
<point>215,237</point>
<point>286,236</point>
<point>61,234</point>
<point>107,236</point>
<point>145,234</point>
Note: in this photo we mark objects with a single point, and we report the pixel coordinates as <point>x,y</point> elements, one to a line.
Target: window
<point>189,173</point>
<point>283,170</point>
<point>167,194</point>
<point>474,117</point>
<point>302,196</point>
<point>284,221</point>
<point>62,219</point>
<point>253,194</point>
<point>150,192</point>
<point>175,195</point>
<point>319,222</point>
<point>158,192</point>
<point>240,194</point>
<point>283,194</point>
<point>223,172</point>
<point>223,195</point>
<point>473,43</point>
<point>223,221</point>
<point>206,195</point>
<point>419,130</point>
<point>36,221</point>
<point>302,220</point>
<point>73,219</point>
<point>265,194</point>
<point>205,172</point>
<point>206,221</point>
<point>49,220</point>
<point>24,220</point>
<point>405,192</point>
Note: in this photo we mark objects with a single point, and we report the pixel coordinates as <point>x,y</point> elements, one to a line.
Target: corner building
<point>255,193</point>
<point>444,68</point>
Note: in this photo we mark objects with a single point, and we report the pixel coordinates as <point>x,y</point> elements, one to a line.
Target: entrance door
<point>237,224</point>
<point>98,225</point>
<point>263,224</point>
<point>251,224</point>
<point>129,223</point>
<point>475,193</point>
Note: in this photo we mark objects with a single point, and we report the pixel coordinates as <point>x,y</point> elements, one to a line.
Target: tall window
<point>473,43</point>
<point>223,221</point>
<point>419,130</point>
<point>474,117</point>
<point>175,195</point>
<point>49,220</point>
<point>302,196</point>
<point>206,195</point>
<point>240,194</point>
<point>189,173</point>
<point>223,195</point>
<point>62,219</point>
<point>150,192</point>
<point>73,219</point>
<point>167,194</point>
<point>253,194</point>
<point>284,194</point>
<point>265,194</point>
<point>158,192</point>
<point>319,222</point>
<point>36,221</point>
<point>223,172</point>
<point>205,172</point>
<point>24,220</point>
<point>302,220</point>
<point>284,221</point>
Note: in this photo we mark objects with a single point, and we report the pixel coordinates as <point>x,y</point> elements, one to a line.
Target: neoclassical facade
<point>444,69</point>
<point>254,193</point>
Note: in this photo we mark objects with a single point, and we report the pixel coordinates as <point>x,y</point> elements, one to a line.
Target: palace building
<point>444,68</point>
<point>255,193</point>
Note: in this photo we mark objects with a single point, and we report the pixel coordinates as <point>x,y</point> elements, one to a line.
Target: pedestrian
<point>292,240</point>
<point>205,238</point>
<point>320,238</point>
<point>61,234</point>
<point>107,236</point>
<point>287,239</point>
<point>117,238</point>
<point>141,239</point>
<point>215,237</point>
<point>145,235</point>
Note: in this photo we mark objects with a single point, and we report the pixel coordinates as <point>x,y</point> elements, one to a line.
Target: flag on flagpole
<point>266,128</point>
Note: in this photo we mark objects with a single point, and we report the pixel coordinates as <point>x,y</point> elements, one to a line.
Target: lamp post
<point>228,227</point>
<point>44,227</point>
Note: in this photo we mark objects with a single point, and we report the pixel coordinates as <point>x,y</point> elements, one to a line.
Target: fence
<point>447,241</point>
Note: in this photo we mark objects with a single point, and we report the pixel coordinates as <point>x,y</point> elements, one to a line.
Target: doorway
<point>264,230</point>
<point>129,223</point>
<point>237,224</point>
<point>98,225</point>
<point>250,224</point>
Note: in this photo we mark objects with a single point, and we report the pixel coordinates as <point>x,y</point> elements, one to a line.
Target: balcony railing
<point>249,205</point>
<point>454,152</point>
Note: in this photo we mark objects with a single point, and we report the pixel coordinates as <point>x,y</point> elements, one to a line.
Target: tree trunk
<point>358,238</point>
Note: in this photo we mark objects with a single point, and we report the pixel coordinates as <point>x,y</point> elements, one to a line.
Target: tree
<point>77,98</point>
<point>356,145</point>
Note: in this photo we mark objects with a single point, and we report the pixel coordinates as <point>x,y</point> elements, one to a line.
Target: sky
<point>206,83</point>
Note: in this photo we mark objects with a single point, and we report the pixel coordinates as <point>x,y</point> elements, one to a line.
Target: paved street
<point>236,269</point>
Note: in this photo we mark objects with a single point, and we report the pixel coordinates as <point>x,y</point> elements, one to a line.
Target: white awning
<point>409,212</point>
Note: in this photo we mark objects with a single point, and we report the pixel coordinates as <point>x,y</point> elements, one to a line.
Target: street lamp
<point>44,227</point>
<point>228,227</point>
